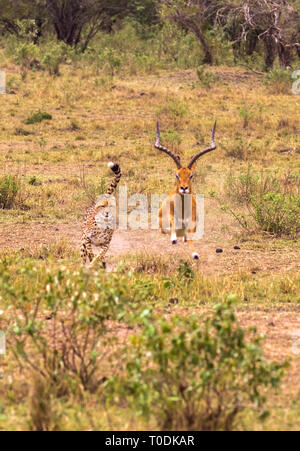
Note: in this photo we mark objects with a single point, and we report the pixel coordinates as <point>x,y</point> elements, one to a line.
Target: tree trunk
<point>68,20</point>
<point>189,24</point>
<point>192,27</point>
<point>207,53</point>
<point>251,43</point>
<point>39,24</point>
<point>269,52</point>
<point>284,54</point>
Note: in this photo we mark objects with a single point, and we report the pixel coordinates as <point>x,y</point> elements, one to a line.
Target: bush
<point>25,55</point>
<point>21,132</point>
<point>53,56</point>
<point>239,148</point>
<point>246,114</point>
<point>57,326</point>
<point>110,61</point>
<point>39,116</point>
<point>241,188</point>
<point>174,110</point>
<point>278,81</point>
<point>185,271</point>
<point>9,189</point>
<point>277,213</point>
<point>207,78</point>
<point>194,374</point>
<point>268,202</point>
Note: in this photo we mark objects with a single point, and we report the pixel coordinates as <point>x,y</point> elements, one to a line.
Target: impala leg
<point>191,230</point>
<point>160,215</point>
<point>195,254</point>
<point>172,220</point>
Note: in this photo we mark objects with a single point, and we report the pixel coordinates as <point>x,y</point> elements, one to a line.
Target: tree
<point>274,22</point>
<point>145,12</point>
<point>78,21</point>
<point>194,16</point>
<point>12,12</point>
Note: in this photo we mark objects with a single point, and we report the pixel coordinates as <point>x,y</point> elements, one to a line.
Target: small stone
<point>173,301</point>
<point>271,324</point>
<point>219,250</point>
<point>236,247</point>
<point>246,300</point>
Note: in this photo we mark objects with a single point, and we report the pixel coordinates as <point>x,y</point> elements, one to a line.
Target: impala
<point>178,214</point>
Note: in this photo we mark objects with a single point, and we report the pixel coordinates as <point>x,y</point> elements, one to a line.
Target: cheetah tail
<point>117,171</point>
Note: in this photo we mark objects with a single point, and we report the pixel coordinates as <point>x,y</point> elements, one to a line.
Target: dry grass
<point>96,119</point>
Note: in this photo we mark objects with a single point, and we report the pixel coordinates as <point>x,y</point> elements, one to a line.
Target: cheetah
<point>99,224</point>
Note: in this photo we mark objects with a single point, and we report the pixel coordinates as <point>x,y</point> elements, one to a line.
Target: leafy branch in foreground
<point>62,329</point>
<point>195,374</point>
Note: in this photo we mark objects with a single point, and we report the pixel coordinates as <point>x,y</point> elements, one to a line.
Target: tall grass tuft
<point>9,189</point>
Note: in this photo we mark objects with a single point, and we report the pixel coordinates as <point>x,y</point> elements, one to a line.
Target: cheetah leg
<point>100,257</point>
<point>83,253</point>
<point>87,251</point>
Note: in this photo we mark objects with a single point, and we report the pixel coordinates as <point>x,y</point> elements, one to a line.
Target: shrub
<point>174,110</point>
<point>39,116</point>
<point>21,132</point>
<point>240,188</point>
<point>194,374</point>
<point>25,55</point>
<point>185,270</point>
<point>42,415</point>
<point>57,327</point>
<point>173,139</point>
<point>277,213</point>
<point>9,189</point>
<point>268,202</point>
<point>246,114</point>
<point>239,148</point>
<point>53,56</point>
<point>278,81</point>
<point>206,78</point>
<point>33,180</point>
<point>110,60</point>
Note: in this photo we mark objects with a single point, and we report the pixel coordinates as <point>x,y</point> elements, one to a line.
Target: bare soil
<point>20,236</point>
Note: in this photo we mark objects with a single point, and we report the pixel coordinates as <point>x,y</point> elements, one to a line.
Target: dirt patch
<point>153,243</point>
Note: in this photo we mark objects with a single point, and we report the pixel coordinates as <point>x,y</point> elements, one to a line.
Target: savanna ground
<point>61,164</point>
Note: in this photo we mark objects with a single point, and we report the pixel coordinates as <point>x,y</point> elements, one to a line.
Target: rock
<point>173,301</point>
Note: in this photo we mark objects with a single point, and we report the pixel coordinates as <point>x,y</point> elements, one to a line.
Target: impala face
<point>184,181</point>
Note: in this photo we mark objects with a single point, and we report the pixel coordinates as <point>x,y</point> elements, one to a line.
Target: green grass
<point>37,117</point>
